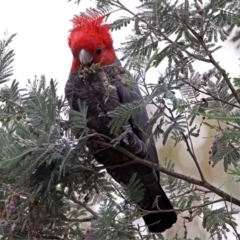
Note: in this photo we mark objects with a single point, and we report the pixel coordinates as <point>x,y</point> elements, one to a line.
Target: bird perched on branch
<point>97,78</point>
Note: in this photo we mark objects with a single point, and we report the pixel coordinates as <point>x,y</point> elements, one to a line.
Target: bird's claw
<point>90,131</point>
<point>95,134</point>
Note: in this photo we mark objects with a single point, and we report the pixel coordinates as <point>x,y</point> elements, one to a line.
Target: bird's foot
<point>94,135</point>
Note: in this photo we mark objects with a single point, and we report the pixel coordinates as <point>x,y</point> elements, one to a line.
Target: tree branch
<point>152,165</point>
<point>82,204</point>
<point>181,209</point>
<point>213,61</point>
<point>190,150</point>
<point>86,219</point>
<point>156,32</point>
<point>193,157</point>
<point>192,190</point>
<point>211,95</point>
<point>231,223</point>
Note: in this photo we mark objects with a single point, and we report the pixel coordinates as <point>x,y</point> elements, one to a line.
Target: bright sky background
<point>42,29</point>
<point>41,43</point>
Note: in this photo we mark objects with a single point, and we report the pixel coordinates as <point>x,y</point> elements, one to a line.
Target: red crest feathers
<point>90,33</point>
<point>85,26</point>
<point>90,24</point>
<point>84,21</point>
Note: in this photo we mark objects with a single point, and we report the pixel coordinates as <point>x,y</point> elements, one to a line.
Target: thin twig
<point>211,95</point>
<point>85,219</point>
<point>192,190</point>
<point>230,222</point>
<point>157,32</point>
<point>190,150</point>
<point>113,166</point>
<point>231,145</point>
<point>181,209</point>
<point>213,61</point>
<point>193,157</point>
<point>139,232</point>
<point>152,165</point>
<point>82,204</point>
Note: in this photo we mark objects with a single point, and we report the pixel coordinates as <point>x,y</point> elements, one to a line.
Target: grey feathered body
<point>100,100</point>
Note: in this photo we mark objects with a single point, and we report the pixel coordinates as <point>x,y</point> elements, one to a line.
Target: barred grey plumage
<point>90,87</point>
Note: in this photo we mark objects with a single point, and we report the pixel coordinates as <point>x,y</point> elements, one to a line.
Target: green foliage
<point>50,182</point>
<point>78,1</point>
<point>42,164</point>
<point>6,58</point>
<point>122,114</point>
<point>216,221</point>
<point>79,118</point>
<point>118,24</point>
<point>134,189</point>
<point>117,217</point>
<point>178,124</point>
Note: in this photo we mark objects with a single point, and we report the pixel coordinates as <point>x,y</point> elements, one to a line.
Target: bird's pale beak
<point>85,57</point>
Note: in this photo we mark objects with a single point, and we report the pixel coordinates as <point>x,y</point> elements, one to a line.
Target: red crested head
<point>90,41</point>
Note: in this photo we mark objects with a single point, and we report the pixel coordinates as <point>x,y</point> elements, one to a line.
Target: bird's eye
<point>98,51</point>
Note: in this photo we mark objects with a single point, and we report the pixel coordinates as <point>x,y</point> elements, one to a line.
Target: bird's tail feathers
<point>160,221</point>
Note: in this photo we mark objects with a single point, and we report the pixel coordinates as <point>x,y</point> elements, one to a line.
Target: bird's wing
<point>75,89</point>
<point>128,94</point>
